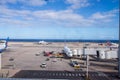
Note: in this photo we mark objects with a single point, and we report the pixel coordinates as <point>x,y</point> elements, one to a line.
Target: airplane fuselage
<point>68,52</point>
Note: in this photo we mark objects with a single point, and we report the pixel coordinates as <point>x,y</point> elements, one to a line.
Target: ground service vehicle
<point>43,65</point>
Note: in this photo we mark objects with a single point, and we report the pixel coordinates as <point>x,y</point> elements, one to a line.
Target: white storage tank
<point>107,55</point>
<point>79,52</point>
<point>102,54</point>
<point>90,52</point>
<point>111,54</point>
<point>74,51</point>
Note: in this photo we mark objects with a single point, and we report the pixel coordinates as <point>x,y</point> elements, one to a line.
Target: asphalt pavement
<point>77,75</point>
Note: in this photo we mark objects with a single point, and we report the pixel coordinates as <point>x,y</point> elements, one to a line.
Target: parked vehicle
<point>43,65</point>
<point>74,64</point>
<point>48,53</point>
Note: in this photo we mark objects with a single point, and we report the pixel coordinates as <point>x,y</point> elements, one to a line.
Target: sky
<point>59,19</point>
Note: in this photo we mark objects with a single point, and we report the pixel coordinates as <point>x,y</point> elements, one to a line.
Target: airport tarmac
<point>22,56</point>
<point>25,58</point>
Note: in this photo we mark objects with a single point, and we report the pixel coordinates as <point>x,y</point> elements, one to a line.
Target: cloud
<point>24,2</point>
<point>64,17</point>
<point>104,16</point>
<point>13,22</point>
<point>75,4</point>
<point>7,1</point>
<point>33,2</point>
<point>49,17</point>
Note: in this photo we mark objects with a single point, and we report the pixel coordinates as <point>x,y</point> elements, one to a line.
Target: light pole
<point>87,63</point>
<point>119,56</point>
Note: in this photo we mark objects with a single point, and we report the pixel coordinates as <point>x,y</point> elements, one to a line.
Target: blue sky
<point>59,19</point>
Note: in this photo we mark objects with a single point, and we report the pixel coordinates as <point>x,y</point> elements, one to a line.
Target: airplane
<point>42,42</point>
<point>68,52</point>
<point>3,44</point>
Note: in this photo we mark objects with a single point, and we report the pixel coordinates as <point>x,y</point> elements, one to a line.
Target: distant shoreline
<point>61,40</point>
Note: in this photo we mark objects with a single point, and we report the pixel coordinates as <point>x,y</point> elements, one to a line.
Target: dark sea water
<point>60,40</point>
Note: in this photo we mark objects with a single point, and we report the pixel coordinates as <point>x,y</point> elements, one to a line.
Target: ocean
<point>60,40</point>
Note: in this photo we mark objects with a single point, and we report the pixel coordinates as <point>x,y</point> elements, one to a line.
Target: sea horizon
<point>63,40</point>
